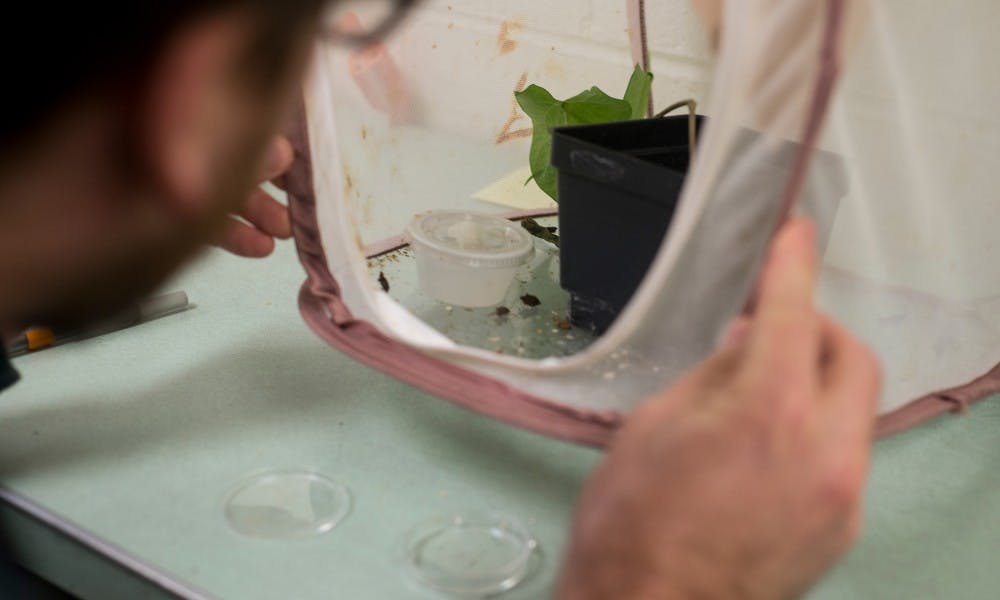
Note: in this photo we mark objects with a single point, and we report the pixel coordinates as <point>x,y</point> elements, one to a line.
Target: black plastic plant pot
<point>619,184</point>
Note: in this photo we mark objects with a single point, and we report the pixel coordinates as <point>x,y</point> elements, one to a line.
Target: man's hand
<point>252,232</point>
<point>743,480</point>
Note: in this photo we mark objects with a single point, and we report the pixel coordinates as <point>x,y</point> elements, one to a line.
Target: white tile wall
<point>585,42</point>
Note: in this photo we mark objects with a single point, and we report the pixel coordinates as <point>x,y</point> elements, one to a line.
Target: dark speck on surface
<point>383,281</point>
<point>530,300</point>
<point>502,311</point>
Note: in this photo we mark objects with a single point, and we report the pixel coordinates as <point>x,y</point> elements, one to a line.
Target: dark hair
<point>53,53</point>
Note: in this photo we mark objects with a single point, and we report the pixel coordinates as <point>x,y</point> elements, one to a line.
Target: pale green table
<point>120,450</point>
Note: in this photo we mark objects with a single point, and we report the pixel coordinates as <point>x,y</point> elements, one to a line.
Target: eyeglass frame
<point>361,38</point>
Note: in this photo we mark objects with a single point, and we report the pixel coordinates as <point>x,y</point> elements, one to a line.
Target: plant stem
<point>692,106</point>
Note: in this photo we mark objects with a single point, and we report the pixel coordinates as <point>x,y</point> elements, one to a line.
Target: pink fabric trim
<point>481,394</point>
<point>955,401</point>
<point>829,74</point>
<point>636,11</point>
<point>326,313</point>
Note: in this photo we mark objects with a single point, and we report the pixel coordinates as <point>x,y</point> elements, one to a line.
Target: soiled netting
<point>912,262</point>
<point>874,120</point>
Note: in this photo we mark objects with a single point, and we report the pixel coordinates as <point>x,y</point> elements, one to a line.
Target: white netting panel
<point>901,188</point>
<point>912,264</point>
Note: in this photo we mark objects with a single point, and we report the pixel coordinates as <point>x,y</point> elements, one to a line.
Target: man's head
<point>127,136</point>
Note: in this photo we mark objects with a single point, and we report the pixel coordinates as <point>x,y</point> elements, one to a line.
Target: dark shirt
<point>8,376</point>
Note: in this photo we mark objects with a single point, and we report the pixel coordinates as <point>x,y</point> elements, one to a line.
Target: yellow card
<point>511,192</point>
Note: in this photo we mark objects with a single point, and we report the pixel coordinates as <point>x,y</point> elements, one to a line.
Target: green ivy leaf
<point>545,112</point>
<point>637,94</point>
<point>540,157</point>
<point>587,108</point>
<point>535,101</point>
<point>594,106</point>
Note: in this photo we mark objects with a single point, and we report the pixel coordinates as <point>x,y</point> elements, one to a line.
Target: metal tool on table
<point>40,337</point>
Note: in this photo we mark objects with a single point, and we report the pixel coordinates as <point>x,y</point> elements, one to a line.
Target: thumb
<point>785,335</point>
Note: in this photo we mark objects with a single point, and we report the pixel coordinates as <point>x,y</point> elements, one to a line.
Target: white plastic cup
<point>466,258</point>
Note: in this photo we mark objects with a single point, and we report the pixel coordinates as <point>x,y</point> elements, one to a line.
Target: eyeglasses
<point>361,22</point>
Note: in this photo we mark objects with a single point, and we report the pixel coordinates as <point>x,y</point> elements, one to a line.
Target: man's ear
<point>193,109</point>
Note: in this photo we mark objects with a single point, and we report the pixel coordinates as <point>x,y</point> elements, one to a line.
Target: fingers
<point>277,159</point>
<point>268,219</point>
<point>246,241</point>
<point>736,333</point>
<point>784,340</point>
<point>845,420</point>
<point>268,215</point>
<point>851,382</point>
<point>850,368</point>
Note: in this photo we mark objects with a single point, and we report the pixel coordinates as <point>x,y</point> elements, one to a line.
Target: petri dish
<point>286,505</point>
<point>472,554</point>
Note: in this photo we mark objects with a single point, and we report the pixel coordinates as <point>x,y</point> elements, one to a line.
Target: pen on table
<point>40,338</point>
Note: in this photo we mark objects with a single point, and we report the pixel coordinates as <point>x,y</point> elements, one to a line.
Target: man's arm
<point>744,479</point>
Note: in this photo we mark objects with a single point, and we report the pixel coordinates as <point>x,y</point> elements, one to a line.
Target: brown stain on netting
<point>553,69</point>
<point>506,45</point>
<point>348,181</point>
<point>350,190</point>
<point>507,132</point>
<point>366,210</point>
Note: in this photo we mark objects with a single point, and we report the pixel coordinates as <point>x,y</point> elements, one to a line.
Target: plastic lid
<point>286,504</point>
<point>472,239</point>
<point>470,554</point>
